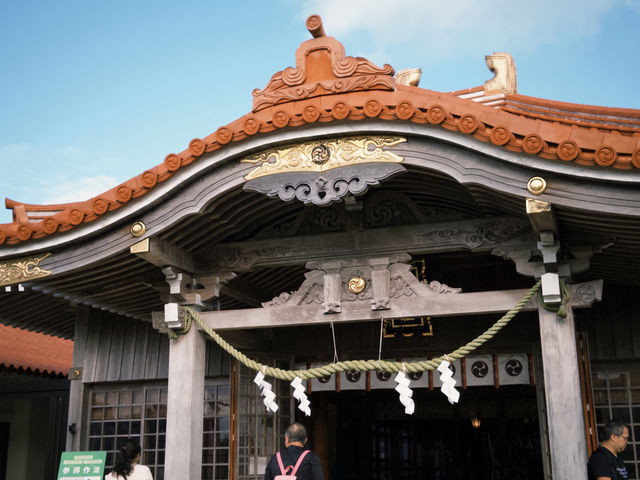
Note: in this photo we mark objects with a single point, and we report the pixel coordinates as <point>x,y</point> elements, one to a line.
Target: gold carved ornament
<point>22,270</point>
<point>323,155</point>
<point>356,284</point>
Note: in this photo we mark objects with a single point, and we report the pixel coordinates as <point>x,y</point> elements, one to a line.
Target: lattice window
<point>141,412</point>
<point>215,452</point>
<point>138,412</point>
<point>616,394</point>
<point>260,432</point>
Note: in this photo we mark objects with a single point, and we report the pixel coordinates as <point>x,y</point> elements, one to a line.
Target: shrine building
<point>351,230</point>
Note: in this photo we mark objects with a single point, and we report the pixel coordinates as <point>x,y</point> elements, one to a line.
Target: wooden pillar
<point>567,439</point>
<point>185,406</point>
<point>320,438</point>
<point>75,418</point>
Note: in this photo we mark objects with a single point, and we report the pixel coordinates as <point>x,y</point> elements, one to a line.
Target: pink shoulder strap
<point>283,471</point>
<point>300,458</point>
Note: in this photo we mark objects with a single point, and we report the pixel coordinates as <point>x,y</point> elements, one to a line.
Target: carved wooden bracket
<point>195,294</point>
<point>584,294</point>
<point>376,280</point>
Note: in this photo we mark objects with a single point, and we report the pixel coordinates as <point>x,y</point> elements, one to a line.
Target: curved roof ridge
<point>572,139</point>
<point>576,107</point>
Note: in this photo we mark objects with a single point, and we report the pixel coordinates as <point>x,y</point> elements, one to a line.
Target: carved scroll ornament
<point>22,270</point>
<point>323,172</point>
<point>324,155</point>
<point>326,188</point>
<point>485,235</point>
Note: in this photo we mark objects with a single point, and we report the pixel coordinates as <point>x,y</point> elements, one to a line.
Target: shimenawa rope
<point>191,315</point>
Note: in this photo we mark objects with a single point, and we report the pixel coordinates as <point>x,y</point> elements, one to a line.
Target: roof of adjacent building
<point>35,352</point>
<point>328,86</point>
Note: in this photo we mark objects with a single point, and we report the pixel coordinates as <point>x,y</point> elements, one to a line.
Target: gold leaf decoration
<point>22,270</point>
<point>325,154</point>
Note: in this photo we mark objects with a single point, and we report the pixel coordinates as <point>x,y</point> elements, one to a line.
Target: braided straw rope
<point>359,365</point>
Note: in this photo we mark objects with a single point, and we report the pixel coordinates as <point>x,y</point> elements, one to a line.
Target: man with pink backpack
<point>295,462</point>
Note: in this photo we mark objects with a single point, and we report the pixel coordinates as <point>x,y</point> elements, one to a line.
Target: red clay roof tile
<point>35,351</point>
<point>327,86</point>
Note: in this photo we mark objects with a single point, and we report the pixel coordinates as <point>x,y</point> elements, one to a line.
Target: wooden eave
<point>94,274</point>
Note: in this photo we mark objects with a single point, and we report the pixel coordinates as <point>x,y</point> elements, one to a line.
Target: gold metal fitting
<point>537,185</point>
<point>356,284</point>
<point>138,229</point>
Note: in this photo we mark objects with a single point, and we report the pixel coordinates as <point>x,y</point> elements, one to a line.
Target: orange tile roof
<point>35,351</point>
<point>327,86</point>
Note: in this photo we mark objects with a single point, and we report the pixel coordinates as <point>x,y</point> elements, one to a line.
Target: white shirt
<point>139,472</point>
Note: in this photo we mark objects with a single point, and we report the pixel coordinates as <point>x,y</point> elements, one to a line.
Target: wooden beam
<point>437,305</point>
<point>478,235</point>
<point>162,254</point>
<point>311,314</point>
<point>542,217</point>
<point>245,292</point>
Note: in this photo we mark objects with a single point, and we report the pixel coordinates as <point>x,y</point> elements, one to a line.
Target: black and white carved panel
<point>323,188</point>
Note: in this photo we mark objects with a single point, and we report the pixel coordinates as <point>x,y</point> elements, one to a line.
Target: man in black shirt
<point>604,463</point>
<point>310,467</point>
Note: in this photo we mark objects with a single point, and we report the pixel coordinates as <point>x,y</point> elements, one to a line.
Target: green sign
<point>82,465</point>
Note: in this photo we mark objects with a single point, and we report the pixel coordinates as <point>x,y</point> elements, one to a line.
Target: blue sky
<point>94,92</point>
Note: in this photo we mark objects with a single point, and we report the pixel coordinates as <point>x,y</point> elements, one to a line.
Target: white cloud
<point>445,27</point>
<point>73,151</point>
<point>65,190</point>
<point>55,174</point>
<point>13,149</point>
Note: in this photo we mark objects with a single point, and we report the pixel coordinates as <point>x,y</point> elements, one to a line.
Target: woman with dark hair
<point>126,464</point>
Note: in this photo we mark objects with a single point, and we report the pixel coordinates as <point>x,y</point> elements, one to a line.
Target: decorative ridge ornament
<point>322,68</point>
<point>324,155</point>
<point>505,79</point>
<point>22,270</point>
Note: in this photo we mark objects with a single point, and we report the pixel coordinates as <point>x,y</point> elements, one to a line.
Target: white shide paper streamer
<point>448,382</point>
<point>300,395</point>
<point>267,392</point>
<point>405,393</point>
